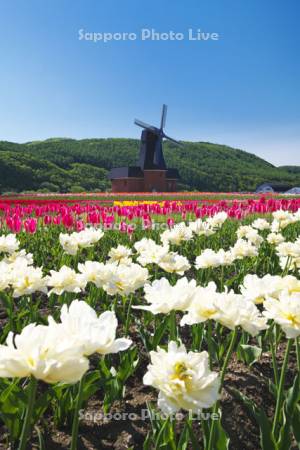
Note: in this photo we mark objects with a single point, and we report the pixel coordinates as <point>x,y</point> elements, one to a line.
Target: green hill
<point>72,165</point>
<point>291,169</point>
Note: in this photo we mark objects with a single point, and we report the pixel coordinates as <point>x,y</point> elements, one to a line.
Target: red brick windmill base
<point>152,181</point>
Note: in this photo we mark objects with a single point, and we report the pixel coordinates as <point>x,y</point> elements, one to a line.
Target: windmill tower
<point>151,174</point>
<point>151,150</point>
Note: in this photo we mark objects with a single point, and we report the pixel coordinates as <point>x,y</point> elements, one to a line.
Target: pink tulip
<point>68,220</point>
<point>123,227</point>
<point>130,230</point>
<point>170,222</point>
<point>30,225</point>
<point>80,225</point>
<point>47,220</point>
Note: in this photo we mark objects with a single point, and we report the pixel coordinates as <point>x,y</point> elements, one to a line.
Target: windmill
<point>151,172</point>
<point>151,150</point>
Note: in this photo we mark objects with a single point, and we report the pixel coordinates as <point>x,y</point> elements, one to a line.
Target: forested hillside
<point>67,165</point>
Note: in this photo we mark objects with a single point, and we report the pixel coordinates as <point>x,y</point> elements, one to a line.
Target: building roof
<point>275,186</point>
<point>295,190</point>
<point>137,172</point>
<point>126,172</point>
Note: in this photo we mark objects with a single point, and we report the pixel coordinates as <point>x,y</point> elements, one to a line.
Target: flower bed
<point>194,324</point>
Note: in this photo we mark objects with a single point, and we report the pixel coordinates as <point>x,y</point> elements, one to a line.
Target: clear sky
<point>241,90</point>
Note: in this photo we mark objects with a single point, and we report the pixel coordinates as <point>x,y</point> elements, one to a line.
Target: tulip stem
<point>228,355</point>
<point>128,315</point>
<point>209,343</point>
<point>75,425</point>
<point>298,353</point>
<point>222,376</point>
<point>28,416</point>
<point>172,322</point>
<point>281,386</point>
<point>273,346</point>
<point>222,278</point>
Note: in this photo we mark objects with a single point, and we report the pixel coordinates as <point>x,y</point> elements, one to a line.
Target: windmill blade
<point>163,116</point>
<point>173,140</point>
<point>144,125</point>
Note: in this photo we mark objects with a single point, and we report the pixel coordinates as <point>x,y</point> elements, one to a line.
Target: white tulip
<point>94,334</point>
<point>234,311</point>
<point>208,258</point>
<point>124,279</point>
<point>94,272</point>
<point>261,224</point>
<point>183,379</point>
<point>289,249</point>
<point>163,297</point>
<point>174,263</point>
<point>284,218</point>
<point>69,243</point>
<point>153,254</point>
<point>275,238</point>
<point>285,312</point>
<point>65,280</point>
<point>42,352</point>
<point>217,220</point>
<point>243,230</point>
<point>179,233</point>
<point>28,281</point>
<point>202,307</point>
<point>243,249</point>
<point>142,245</point>
<point>254,238</point>
<point>201,228</point>
<point>258,289</point>
<point>290,284</point>
<point>288,263</point>
<point>19,257</point>
<point>120,254</point>
<point>9,243</point>
<point>89,236</point>
<point>5,275</point>
<point>82,239</point>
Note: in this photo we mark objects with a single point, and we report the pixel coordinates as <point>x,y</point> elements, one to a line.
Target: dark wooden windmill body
<point>151,174</point>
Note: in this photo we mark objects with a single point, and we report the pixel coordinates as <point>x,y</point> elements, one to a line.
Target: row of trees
<point>69,165</point>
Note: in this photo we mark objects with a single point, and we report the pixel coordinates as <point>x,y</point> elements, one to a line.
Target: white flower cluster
<point>71,243</point>
<point>249,241</point>
<point>182,232</point>
<point>230,309</point>
<point>113,278</point>
<point>58,352</point>
<point>280,297</point>
<point>283,218</point>
<point>118,276</point>
<point>18,273</point>
<point>246,246</point>
<point>289,254</point>
<point>151,253</point>
<point>203,303</point>
<point>122,279</point>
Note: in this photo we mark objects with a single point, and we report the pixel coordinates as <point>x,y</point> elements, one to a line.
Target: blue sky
<point>242,90</point>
